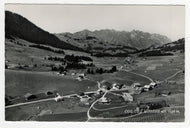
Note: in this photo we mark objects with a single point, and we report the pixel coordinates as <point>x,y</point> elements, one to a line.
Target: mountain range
<point>100,41</point>
<point>108,38</point>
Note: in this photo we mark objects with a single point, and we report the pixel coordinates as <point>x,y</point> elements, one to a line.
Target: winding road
<point>92,105</point>
<point>173,75</point>
<point>107,91</point>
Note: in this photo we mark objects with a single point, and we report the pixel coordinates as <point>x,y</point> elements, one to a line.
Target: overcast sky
<point>165,20</point>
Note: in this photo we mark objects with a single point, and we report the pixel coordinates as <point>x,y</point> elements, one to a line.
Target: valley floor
<point>73,108</point>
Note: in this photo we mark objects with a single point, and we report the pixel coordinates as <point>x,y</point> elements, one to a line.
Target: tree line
<point>101,70</point>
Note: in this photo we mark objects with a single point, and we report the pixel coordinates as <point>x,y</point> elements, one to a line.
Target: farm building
<point>143,107</point>
<point>85,62</point>
<point>147,87</point>
<point>137,85</point>
<point>85,99</point>
<point>156,104</point>
<point>171,82</point>
<point>81,75</point>
<point>73,74</point>
<point>104,100</point>
<point>91,94</point>
<point>106,85</point>
<point>58,98</point>
<point>138,90</point>
<point>99,92</point>
<point>165,93</point>
<point>29,96</point>
<point>10,66</point>
<point>115,86</point>
<point>8,100</point>
<point>153,84</point>
<point>129,60</point>
<point>118,86</point>
<point>81,94</point>
<point>127,97</point>
<point>48,93</point>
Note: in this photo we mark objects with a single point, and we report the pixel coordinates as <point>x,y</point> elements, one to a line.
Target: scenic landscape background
<point>92,75</point>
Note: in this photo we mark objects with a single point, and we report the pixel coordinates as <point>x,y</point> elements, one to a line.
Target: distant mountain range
<point>101,41</point>
<point>106,39</point>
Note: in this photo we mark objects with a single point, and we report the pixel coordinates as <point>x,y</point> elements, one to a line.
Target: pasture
<point>121,77</point>
<point>159,68</point>
<point>38,111</point>
<point>18,83</point>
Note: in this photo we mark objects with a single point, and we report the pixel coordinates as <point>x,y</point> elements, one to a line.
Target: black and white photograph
<point>106,63</point>
<point>94,63</point>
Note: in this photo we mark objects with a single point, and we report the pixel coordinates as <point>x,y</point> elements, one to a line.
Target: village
<point>120,94</point>
<point>108,94</point>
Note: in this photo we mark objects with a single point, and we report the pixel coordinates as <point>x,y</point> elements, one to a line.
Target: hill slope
<point>18,26</point>
<point>166,49</point>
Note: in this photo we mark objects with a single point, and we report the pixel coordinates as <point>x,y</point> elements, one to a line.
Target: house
<point>138,90</point>
<point>115,86</point>
<point>82,75</point>
<point>104,100</point>
<point>165,93</point>
<point>153,84</point>
<point>143,107</point>
<point>127,97</point>
<point>147,87</point>
<point>129,60</point>
<point>121,67</point>
<point>29,96</point>
<point>136,85</point>
<point>85,62</point>
<point>156,104</point>
<point>48,93</point>
<point>171,82</point>
<point>124,86</point>
<point>79,79</point>
<point>81,94</point>
<point>158,82</point>
<point>10,66</point>
<point>58,97</point>
<point>119,86</point>
<point>106,85</point>
<point>99,92</point>
<point>73,74</point>
<point>85,99</point>
<point>63,73</point>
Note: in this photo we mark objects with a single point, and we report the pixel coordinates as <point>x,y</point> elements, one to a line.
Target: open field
<point>165,67</point>
<point>115,112</point>
<point>19,83</point>
<point>171,115</point>
<point>120,77</point>
<point>49,108</point>
<point>25,55</point>
<point>64,117</point>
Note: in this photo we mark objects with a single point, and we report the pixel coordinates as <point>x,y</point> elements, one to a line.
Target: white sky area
<point>165,20</point>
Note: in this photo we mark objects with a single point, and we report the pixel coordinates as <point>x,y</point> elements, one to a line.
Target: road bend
<point>92,105</point>
<point>173,75</point>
